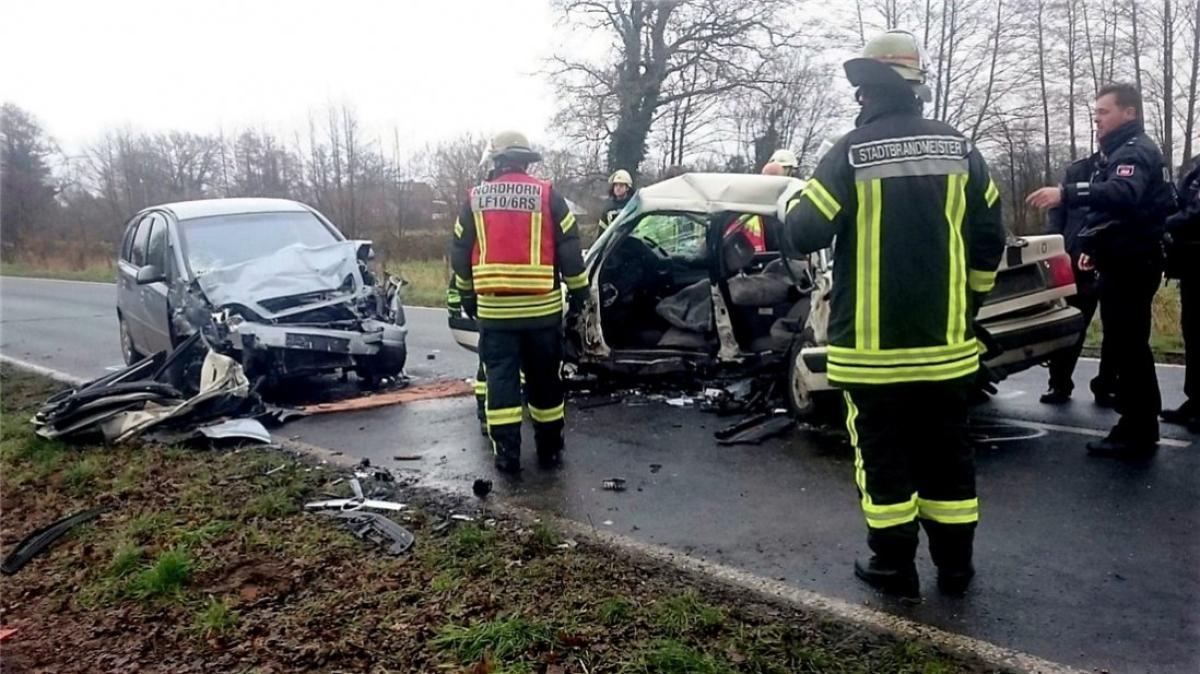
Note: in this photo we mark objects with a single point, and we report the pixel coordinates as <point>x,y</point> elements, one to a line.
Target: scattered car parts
<point>756,429</point>
<point>41,540</point>
<point>377,529</point>
<point>356,502</point>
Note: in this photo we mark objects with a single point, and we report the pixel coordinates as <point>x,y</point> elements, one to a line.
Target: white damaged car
<point>674,290</point>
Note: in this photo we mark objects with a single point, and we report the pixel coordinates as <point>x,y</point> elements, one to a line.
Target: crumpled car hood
<point>294,270</point>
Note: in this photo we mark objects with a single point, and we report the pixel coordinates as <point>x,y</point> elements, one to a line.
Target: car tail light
<point>1061,271</point>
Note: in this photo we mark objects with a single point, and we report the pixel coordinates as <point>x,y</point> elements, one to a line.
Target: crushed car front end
<point>303,310</point>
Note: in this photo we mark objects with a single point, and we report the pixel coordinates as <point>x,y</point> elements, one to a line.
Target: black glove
<point>575,301</point>
<point>470,306</point>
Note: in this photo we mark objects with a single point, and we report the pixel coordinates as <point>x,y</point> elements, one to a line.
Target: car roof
<point>717,192</point>
<point>204,208</point>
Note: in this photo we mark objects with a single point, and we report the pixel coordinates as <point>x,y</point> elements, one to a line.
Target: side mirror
<point>150,274</point>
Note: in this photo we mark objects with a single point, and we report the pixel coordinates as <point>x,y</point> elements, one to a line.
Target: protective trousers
<point>1189,293</point>
<point>1062,365</point>
<point>1126,294</point>
<point>913,461</point>
<point>538,353</point>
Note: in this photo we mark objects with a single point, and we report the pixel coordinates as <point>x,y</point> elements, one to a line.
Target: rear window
<point>223,240</point>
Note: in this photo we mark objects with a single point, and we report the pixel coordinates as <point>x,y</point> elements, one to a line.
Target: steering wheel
<point>655,246</point>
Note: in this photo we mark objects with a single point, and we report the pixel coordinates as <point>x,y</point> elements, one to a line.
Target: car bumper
<point>1024,342</point>
<point>466,332</point>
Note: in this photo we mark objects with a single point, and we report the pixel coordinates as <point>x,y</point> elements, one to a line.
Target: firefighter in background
<point>620,191</point>
<point>753,225</point>
<point>515,245</point>
<point>900,188</point>
<point>786,159</point>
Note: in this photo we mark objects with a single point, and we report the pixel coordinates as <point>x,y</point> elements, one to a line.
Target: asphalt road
<point>1088,562</point>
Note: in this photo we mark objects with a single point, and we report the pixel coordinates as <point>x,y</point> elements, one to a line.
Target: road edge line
<point>34,368</point>
<point>1079,430</point>
<point>868,618</point>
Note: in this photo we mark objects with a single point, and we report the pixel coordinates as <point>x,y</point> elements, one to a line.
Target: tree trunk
<point>1071,36</point>
<point>1189,127</point>
<point>1041,42</point>
<point>991,83</point>
<point>1168,60</point>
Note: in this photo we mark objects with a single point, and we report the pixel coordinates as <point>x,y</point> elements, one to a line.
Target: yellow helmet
<point>512,145</point>
<point>785,158</point>
<point>620,177</point>
<point>894,57</point>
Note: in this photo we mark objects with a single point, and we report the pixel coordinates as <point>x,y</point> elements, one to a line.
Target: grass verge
<point>205,563</point>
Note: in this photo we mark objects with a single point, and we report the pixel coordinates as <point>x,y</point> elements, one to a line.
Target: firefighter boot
<point>951,546</point>
<point>549,439</point>
<point>897,579</point>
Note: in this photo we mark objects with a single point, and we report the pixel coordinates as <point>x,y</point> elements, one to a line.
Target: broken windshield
<point>223,240</point>
<point>677,234</point>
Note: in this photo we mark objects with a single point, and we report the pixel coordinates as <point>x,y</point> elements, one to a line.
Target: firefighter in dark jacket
<point>1128,198</point>
<point>915,221</point>
<point>620,191</point>
<point>515,245</point>
<point>1183,255</point>
<point>1069,223</point>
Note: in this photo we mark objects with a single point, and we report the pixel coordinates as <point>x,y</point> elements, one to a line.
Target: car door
<point>153,296</point>
<point>133,257</point>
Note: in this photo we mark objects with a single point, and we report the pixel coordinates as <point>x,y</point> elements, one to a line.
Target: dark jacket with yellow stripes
<point>523,311</point>
<point>914,220</point>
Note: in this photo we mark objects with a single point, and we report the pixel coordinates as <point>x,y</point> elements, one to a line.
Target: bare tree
<point>26,188</point>
<point>1189,124</point>
<point>655,45</point>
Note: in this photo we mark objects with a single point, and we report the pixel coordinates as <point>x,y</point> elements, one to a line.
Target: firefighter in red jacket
<point>515,245</point>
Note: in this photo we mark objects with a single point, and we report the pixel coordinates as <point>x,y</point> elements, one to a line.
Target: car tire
<point>129,352</point>
<point>387,363</point>
<point>815,407</point>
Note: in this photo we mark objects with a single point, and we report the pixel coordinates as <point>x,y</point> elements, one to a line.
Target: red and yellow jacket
<point>515,244</point>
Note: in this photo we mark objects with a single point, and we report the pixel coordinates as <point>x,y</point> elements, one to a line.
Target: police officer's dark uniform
<point>1127,199</point>
<point>914,219</point>
<point>1069,223</point>
<point>1183,260</point>
<point>515,246</point>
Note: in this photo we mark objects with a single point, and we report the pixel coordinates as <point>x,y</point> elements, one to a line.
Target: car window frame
<point>157,223</point>
<point>143,224</point>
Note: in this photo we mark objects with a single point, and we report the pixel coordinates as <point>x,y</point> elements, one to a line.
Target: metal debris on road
<point>377,529</point>
<point>462,518</point>
<point>614,484</point>
<point>756,429</point>
<point>655,467</point>
<point>356,502</point>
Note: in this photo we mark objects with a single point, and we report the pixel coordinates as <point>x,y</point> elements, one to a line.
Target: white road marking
<point>1078,430</point>
<point>56,375</point>
<point>58,280</point>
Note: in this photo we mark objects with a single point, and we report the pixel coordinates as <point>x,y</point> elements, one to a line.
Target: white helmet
<point>785,158</point>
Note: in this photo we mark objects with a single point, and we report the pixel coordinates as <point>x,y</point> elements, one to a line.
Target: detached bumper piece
<point>41,540</point>
<point>376,528</point>
<point>177,393</point>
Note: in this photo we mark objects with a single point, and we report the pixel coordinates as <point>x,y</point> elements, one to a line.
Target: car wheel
<point>129,352</point>
<point>388,363</point>
<point>801,401</point>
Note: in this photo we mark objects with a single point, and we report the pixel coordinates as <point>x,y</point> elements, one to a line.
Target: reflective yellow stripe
<point>462,283</point>
<point>524,312</point>
<point>878,516</point>
<point>567,223</point>
<point>993,193</point>
<point>504,416</point>
<point>458,229</point>
<point>822,199</point>
<point>981,281</point>
<point>956,206</point>
<point>480,388</point>
<point>535,237</point>
<point>866,320</point>
<point>795,201</point>
<point>914,356</point>
<point>855,374</point>
<point>576,282</point>
<point>521,300</point>
<point>949,512</point>
<point>526,269</point>
<point>546,415</point>
<point>481,237</point>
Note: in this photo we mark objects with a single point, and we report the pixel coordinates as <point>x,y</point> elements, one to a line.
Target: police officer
<point>1127,198</point>
<point>1183,255</point>
<point>515,245</point>
<point>916,219</point>
<point>1069,223</point>
<point>620,191</point>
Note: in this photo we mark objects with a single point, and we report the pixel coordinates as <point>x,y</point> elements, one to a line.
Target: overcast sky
<point>429,69</point>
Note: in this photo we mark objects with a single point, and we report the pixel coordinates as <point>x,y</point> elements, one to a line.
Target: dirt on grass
<point>206,562</point>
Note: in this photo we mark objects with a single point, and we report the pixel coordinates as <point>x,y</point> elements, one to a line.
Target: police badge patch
<point>1124,170</point>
